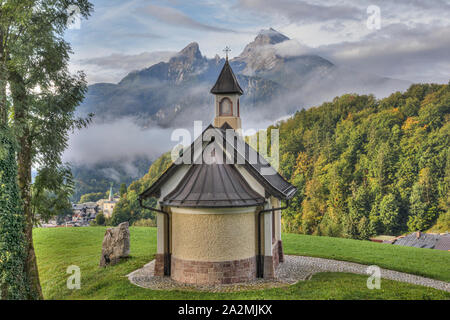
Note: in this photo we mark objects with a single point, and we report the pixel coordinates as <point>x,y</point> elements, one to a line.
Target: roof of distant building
<point>87,205</point>
<point>443,243</point>
<point>425,240</point>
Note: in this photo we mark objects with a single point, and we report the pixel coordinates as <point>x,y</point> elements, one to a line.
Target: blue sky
<point>412,43</point>
<point>135,26</point>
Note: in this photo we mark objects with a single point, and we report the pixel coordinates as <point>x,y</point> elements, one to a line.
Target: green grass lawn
<point>424,262</point>
<point>59,248</point>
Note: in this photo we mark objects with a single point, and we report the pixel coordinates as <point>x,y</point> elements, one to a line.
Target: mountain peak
<point>185,62</point>
<point>264,42</point>
<point>192,50</point>
<point>270,36</point>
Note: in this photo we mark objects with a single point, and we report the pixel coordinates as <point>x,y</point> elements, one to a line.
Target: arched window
<point>225,107</point>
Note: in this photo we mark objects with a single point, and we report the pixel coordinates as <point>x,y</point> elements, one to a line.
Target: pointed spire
<point>111,193</point>
<point>227,82</point>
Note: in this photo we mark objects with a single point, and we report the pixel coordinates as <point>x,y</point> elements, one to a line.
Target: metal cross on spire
<point>226,50</point>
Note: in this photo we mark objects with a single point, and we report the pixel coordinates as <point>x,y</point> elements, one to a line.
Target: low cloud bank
<point>112,68</point>
<point>121,140</point>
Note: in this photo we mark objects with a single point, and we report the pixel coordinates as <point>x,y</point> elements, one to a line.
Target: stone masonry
<point>159,264</point>
<point>224,272</point>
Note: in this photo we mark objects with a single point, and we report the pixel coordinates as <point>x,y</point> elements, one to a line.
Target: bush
<point>120,216</point>
<point>145,223</point>
<point>108,222</point>
<point>100,219</point>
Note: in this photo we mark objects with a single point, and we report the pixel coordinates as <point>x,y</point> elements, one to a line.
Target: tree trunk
<point>24,161</point>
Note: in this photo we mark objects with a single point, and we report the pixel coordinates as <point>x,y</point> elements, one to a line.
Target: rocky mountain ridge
<point>169,94</point>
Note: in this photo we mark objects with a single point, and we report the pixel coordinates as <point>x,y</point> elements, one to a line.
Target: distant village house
<point>84,213</point>
<point>107,205</point>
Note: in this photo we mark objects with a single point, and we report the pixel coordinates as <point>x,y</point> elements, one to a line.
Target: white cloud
<point>112,68</point>
<point>118,140</point>
<point>176,17</point>
<point>302,11</point>
<point>291,48</point>
<point>417,54</point>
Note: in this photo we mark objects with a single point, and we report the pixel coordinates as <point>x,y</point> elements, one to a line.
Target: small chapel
<point>219,205</point>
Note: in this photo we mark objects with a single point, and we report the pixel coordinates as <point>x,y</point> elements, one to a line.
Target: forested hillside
<point>128,208</point>
<point>98,177</point>
<point>362,166</point>
<point>366,167</point>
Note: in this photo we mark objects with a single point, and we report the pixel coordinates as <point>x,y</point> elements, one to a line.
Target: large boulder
<point>116,244</point>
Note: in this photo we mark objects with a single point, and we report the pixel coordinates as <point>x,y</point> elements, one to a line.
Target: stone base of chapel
<point>271,262</point>
<point>223,272</point>
<point>160,259</point>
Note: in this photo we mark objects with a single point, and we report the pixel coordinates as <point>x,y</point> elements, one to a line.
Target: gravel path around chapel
<point>302,268</point>
<point>294,269</point>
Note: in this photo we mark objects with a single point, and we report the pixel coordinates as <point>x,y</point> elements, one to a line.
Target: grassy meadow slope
<point>59,248</point>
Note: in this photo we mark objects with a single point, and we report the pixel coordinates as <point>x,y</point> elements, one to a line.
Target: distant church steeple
<point>227,92</point>
<point>111,196</point>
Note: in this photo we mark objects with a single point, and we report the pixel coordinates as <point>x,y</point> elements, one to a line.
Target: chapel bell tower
<point>227,92</point>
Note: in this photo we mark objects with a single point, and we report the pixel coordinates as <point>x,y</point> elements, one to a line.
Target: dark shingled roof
<point>261,170</point>
<point>227,82</point>
<point>424,240</point>
<point>213,186</point>
<point>443,243</point>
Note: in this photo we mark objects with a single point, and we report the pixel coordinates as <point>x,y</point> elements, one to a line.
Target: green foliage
<point>442,224</point>
<point>13,279</point>
<point>108,222</point>
<point>123,190</point>
<point>128,207</point>
<point>145,223</point>
<point>362,166</point>
<point>95,178</point>
<point>121,213</point>
<point>100,219</point>
<point>93,197</point>
<point>356,223</point>
<point>43,96</point>
<point>365,166</point>
<point>52,190</point>
<point>389,213</point>
<point>423,204</point>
